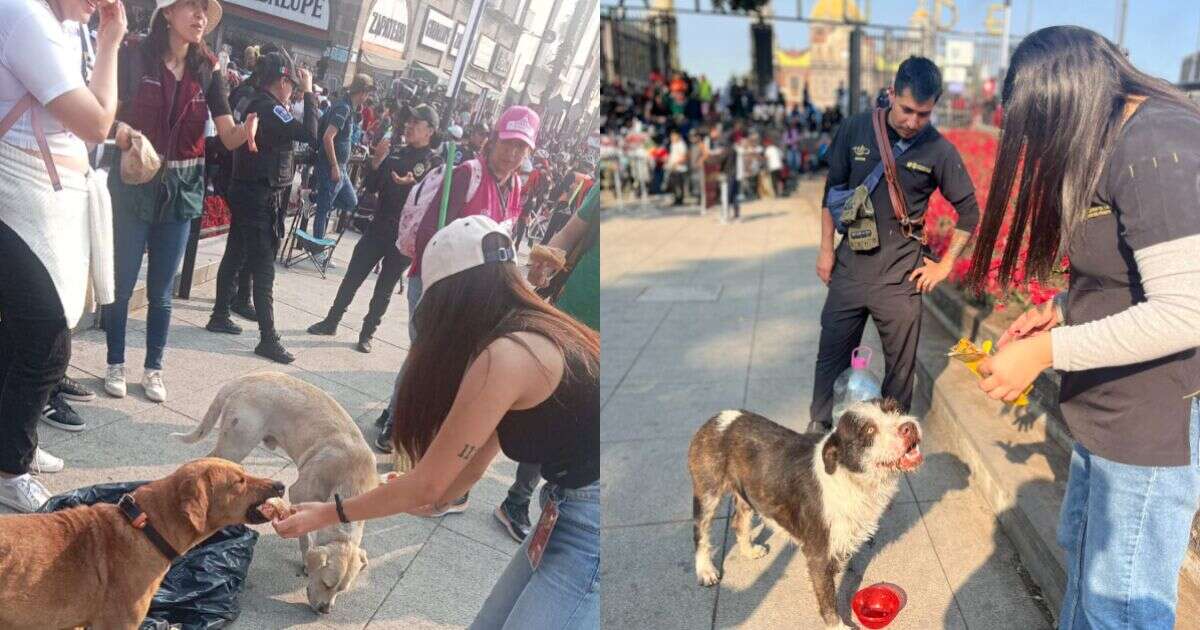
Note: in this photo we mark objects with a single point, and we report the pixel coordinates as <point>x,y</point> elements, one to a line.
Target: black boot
<point>270,348</point>
<point>364,344</point>
<point>219,324</point>
<point>382,420</point>
<point>244,309</point>
<point>384,441</point>
<point>326,326</point>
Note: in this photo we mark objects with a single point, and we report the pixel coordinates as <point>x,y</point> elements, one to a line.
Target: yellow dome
<point>793,58</point>
<point>832,10</point>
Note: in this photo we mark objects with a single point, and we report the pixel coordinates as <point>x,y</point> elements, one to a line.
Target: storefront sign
<point>484,52</point>
<point>459,31</point>
<point>387,26</point>
<point>439,29</point>
<point>502,62</point>
<point>314,13</point>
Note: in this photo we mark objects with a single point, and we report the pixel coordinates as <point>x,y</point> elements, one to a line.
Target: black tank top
<point>562,433</point>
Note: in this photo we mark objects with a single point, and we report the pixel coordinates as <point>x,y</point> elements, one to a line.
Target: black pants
<point>35,347</point>
<point>244,289</point>
<point>251,245</point>
<point>896,309</point>
<point>370,250</point>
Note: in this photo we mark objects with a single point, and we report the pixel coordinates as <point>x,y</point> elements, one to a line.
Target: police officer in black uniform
<point>262,175</point>
<point>887,280</point>
<point>404,168</point>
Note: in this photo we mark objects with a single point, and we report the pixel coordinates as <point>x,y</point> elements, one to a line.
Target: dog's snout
<point>909,431</point>
<point>278,488</point>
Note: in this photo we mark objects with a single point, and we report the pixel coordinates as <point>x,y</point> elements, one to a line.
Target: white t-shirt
<point>774,158</point>
<point>677,158</point>
<point>41,56</point>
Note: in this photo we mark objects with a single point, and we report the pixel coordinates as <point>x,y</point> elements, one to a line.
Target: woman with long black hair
<point>495,368</point>
<point>168,89</point>
<point>1106,162</point>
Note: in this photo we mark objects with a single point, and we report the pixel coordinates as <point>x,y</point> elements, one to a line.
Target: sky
<point>1158,33</point>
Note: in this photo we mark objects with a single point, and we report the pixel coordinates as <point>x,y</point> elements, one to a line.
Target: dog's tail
<point>211,417</point>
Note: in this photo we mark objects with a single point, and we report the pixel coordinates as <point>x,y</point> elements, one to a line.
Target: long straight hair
<point>1064,97</point>
<point>199,57</point>
<point>456,319</point>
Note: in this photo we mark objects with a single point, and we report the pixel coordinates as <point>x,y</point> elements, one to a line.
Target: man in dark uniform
<point>404,168</point>
<point>886,281</point>
<point>477,135</point>
<point>262,175</point>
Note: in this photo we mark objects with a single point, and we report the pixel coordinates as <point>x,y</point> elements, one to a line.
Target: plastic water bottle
<point>855,384</point>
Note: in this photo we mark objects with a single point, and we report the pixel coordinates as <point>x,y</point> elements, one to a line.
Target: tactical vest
<point>272,165</point>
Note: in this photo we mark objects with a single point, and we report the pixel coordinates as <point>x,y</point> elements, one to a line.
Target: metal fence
<point>971,64</point>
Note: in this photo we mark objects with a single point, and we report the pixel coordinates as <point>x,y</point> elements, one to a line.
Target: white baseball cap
<point>214,13</point>
<point>459,247</point>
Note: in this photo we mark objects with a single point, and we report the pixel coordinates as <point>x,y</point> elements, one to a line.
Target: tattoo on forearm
<point>958,243</point>
<point>467,452</point>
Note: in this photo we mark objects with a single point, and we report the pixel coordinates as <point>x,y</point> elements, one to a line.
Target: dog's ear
<point>193,500</point>
<point>316,559</point>
<point>829,453</point>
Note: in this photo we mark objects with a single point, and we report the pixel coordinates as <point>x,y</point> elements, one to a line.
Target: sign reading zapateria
<point>314,13</point>
<point>439,29</point>
<point>387,25</point>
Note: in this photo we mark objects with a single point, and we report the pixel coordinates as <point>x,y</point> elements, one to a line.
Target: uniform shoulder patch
<point>282,113</point>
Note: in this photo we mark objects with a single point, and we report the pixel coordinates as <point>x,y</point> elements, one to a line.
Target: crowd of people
<point>681,136</point>
<point>498,360</point>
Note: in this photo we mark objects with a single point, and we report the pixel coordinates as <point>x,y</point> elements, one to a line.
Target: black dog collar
<point>139,520</point>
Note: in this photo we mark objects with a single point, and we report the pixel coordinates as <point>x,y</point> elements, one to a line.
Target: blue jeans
<point>414,295</point>
<point>1125,530</point>
<point>329,194</point>
<point>564,591</point>
<point>131,238</point>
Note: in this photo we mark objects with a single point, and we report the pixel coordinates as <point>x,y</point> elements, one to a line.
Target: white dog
<point>330,453</point>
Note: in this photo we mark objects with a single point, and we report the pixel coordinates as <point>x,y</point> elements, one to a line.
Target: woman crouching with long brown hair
<point>494,368</point>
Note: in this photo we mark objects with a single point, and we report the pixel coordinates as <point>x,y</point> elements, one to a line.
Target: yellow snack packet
<point>972,356</point>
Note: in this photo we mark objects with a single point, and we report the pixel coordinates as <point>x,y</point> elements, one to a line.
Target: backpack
<point>425,196</point>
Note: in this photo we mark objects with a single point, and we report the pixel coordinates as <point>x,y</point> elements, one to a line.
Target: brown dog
<point>89,566</point>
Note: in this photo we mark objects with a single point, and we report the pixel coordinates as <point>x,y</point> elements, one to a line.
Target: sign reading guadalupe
<point>439,30</point>
<point>483,52</point>
<point>387,25</point>
<point>314,13</point>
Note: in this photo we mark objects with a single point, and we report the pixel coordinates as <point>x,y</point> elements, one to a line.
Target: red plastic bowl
<point>877,605</point>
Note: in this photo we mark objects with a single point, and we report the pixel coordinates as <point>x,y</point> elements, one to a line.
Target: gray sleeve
<point>1166,323</point>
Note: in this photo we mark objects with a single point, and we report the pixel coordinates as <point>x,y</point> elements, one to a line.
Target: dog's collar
<point>141,521</point>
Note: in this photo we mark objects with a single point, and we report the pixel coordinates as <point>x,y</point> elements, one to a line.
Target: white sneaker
<point>153,384</point>
<point>44,462</point>
<point>23,494</point>
<point>114,381</point>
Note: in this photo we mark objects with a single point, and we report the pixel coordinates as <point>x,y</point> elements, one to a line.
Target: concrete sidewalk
<point>422,573</point>
<point>699,317</point>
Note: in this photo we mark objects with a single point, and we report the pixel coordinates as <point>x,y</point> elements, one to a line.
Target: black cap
<point>479,128</point>
<point>274,65</point>
<point>426,113</point>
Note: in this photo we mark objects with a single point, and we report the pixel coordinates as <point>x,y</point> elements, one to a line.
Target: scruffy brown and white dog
<point>827,491</point>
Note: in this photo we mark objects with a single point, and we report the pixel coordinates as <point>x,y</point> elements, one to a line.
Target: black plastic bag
<point>200,591</point>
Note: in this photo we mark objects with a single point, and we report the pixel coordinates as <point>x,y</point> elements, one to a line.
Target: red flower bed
<point>216,212</point>
<point>978,150</point>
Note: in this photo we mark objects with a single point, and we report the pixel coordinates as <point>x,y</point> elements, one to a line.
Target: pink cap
<point>521,123</point>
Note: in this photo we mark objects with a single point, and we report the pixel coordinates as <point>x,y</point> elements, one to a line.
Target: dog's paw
<point>754,552</point>
<point>708,576</point>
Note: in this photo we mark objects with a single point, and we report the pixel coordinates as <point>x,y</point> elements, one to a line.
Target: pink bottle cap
<point>860,359</point>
